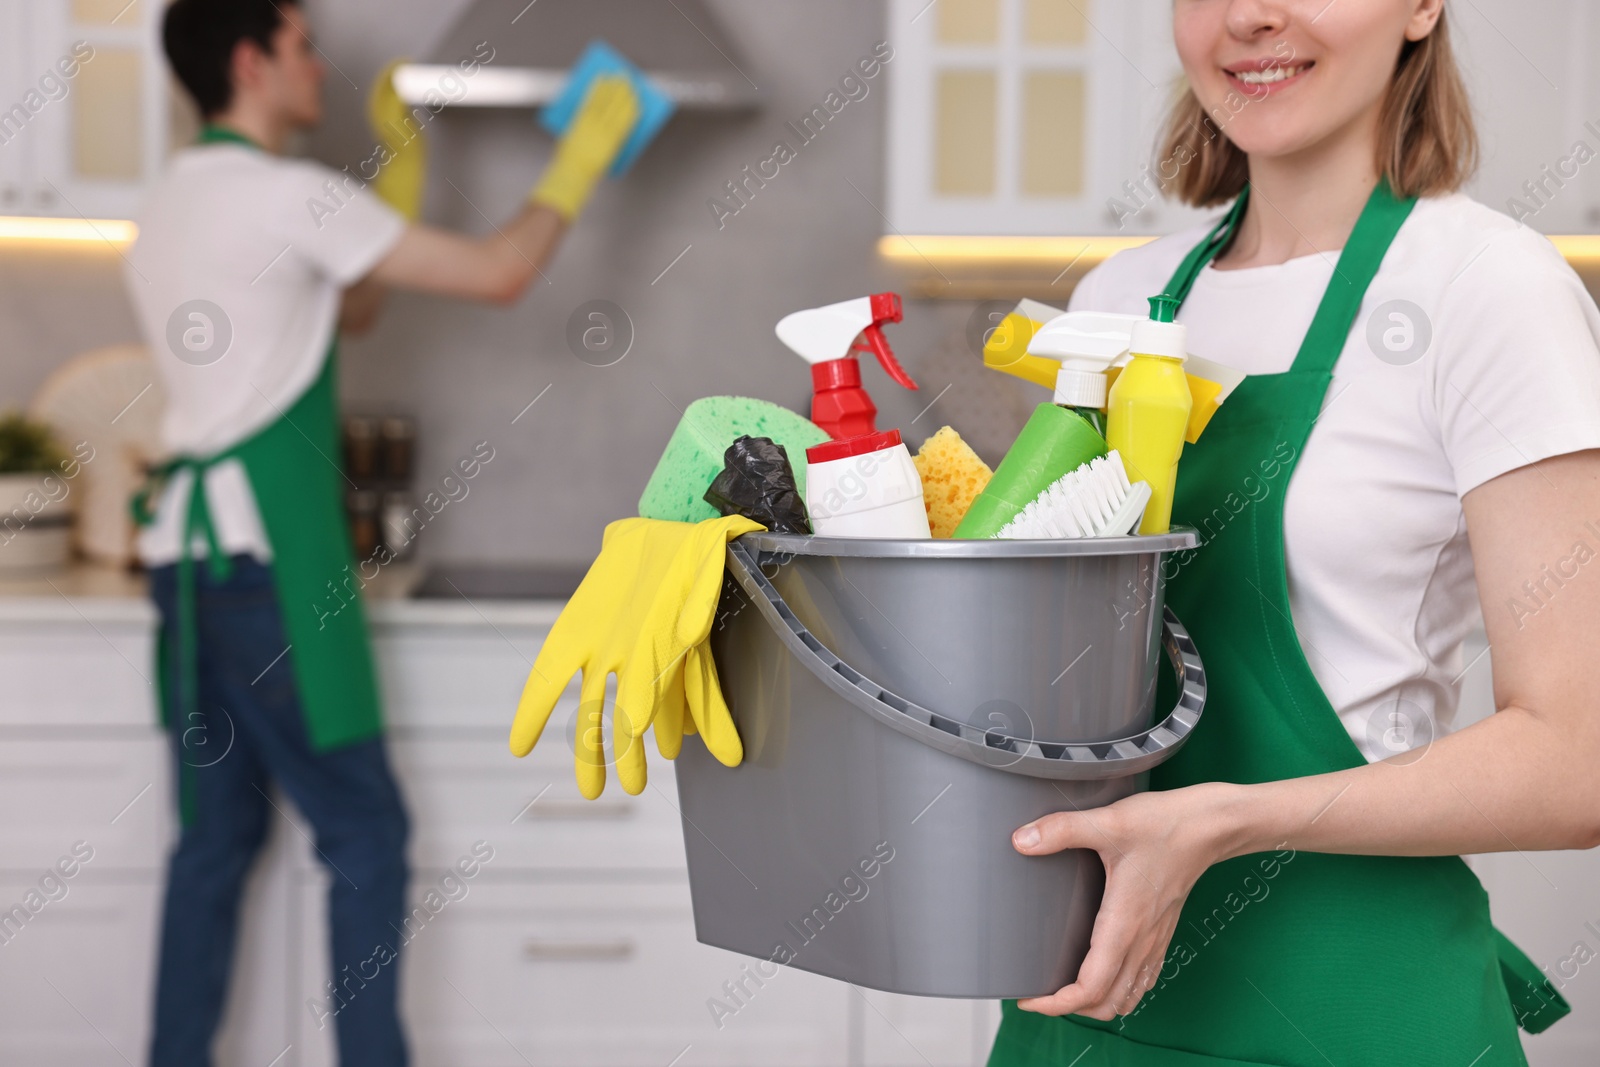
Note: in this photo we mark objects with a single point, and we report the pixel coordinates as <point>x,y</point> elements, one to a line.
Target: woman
<point>1418,433</point>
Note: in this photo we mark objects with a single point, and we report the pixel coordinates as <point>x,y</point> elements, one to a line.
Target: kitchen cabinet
<point>573,945</point>
<point>80,765</point>
<point>1040,117</point>
<point>1027,116</point>
<point>13,146</point>
<point>85,106</point>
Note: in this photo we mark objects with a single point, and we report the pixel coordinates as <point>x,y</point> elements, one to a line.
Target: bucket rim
<point>1028,756</point>
<point>1176,540</point>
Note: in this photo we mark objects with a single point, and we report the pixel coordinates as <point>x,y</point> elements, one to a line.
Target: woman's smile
<point>1257,79</point>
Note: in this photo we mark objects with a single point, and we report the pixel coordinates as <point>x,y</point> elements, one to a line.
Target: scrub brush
<point>1093,501</point>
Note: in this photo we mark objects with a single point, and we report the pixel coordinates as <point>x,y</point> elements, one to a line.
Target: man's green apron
<point>1295,959</point>
<point>292,465</point>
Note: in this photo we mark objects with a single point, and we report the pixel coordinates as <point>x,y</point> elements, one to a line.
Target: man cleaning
<point>240,291</point>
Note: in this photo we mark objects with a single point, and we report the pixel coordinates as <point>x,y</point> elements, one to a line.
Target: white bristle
<point>1080,511</point>
<point>1100,493</point>
<point>1122,472</point>
<point>1081,503</point>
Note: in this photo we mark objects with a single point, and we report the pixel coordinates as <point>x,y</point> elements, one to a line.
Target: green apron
<point>1294,959</point>
<point>292,465</point>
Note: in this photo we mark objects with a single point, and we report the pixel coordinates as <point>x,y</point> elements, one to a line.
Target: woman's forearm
<point>1514,781</point>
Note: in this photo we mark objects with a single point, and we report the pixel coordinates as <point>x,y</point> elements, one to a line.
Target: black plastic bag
<point>758,483</point>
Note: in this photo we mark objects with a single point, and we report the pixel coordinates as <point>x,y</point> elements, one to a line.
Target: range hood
<point>678,43</point>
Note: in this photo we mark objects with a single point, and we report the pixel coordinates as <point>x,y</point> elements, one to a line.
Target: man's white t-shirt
<point>1491,363</point>
<point>236,278</point>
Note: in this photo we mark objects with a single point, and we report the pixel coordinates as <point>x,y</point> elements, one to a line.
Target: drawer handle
<point>582,809</point>
<point>578,951</point>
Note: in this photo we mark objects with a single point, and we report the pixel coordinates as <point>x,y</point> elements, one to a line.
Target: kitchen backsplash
<point>699,289</point>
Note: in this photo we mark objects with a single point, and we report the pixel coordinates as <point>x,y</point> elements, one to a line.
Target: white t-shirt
<point>1500,369</point>
<point>236,278</point>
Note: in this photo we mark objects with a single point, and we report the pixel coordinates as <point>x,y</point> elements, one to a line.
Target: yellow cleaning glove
<point>644,595</point>
<point>673,657</point>
<point>400,180</point>
<point>610,109</point>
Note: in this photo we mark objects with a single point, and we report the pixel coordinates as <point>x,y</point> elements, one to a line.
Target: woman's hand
<point>1154,846</point>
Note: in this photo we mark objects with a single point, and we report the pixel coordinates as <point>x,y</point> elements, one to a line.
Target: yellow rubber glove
<point>646,586</point>
<point>608,113</point>
<point>595,634</point>
<point>701,711</point>
<point>673,656</point>
<point>400,180</point>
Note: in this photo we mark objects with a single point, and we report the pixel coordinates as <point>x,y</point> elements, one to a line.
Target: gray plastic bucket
<point>904,706</point>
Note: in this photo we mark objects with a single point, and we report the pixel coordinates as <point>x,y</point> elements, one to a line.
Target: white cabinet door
<point>14,115</point>
<point>106,137</point>
<point>1028,117</point>
<point>520,972</point>
<point>93,81</point>
<point>76,980</point>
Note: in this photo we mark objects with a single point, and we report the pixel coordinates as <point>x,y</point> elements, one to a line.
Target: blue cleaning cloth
<point>655,107</point>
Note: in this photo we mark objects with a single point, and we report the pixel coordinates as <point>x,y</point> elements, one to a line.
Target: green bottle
<point>1054,442</point>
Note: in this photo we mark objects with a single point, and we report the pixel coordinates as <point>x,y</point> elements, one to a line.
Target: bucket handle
<point>1015,755</point>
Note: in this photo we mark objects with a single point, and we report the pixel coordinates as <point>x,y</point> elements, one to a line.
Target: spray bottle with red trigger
<point>828,338</point>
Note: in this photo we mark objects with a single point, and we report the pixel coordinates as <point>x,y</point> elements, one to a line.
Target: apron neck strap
<point>1380,220</point>
<point>1220,237</point>
<point>212,133</point>
<point>1358,264</point>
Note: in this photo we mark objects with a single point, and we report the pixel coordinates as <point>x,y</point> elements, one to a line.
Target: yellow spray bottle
<point>1147,411</point>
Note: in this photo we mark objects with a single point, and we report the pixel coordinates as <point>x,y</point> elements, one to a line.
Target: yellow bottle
<point>1147,411</point>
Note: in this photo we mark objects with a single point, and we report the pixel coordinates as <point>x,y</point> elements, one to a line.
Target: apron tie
<point>197,519</point>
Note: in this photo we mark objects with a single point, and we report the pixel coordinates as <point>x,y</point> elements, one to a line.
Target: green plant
<point>27,446</point>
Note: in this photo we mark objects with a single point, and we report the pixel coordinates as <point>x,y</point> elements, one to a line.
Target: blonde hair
<point>1427,143</point>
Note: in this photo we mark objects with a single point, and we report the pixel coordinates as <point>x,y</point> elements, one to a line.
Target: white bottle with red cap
<point>865,486</point>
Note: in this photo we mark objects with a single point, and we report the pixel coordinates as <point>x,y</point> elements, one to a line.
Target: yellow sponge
<point>952,475</point>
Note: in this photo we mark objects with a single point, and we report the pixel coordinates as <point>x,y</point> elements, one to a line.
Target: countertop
<point>95,593</point>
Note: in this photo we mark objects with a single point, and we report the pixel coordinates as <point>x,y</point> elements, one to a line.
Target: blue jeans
<point>246,736</point>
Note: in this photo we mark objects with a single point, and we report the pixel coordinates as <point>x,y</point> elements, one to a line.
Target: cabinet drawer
<point>60,673</point>
<point>450,677</point>
<point>115,795</point>
<point>514,974</point>
<point>464,790</point>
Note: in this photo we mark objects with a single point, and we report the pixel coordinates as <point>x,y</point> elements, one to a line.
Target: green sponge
<point>693,456</point>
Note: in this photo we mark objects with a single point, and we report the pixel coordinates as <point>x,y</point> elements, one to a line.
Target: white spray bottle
<point>828,338</point>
